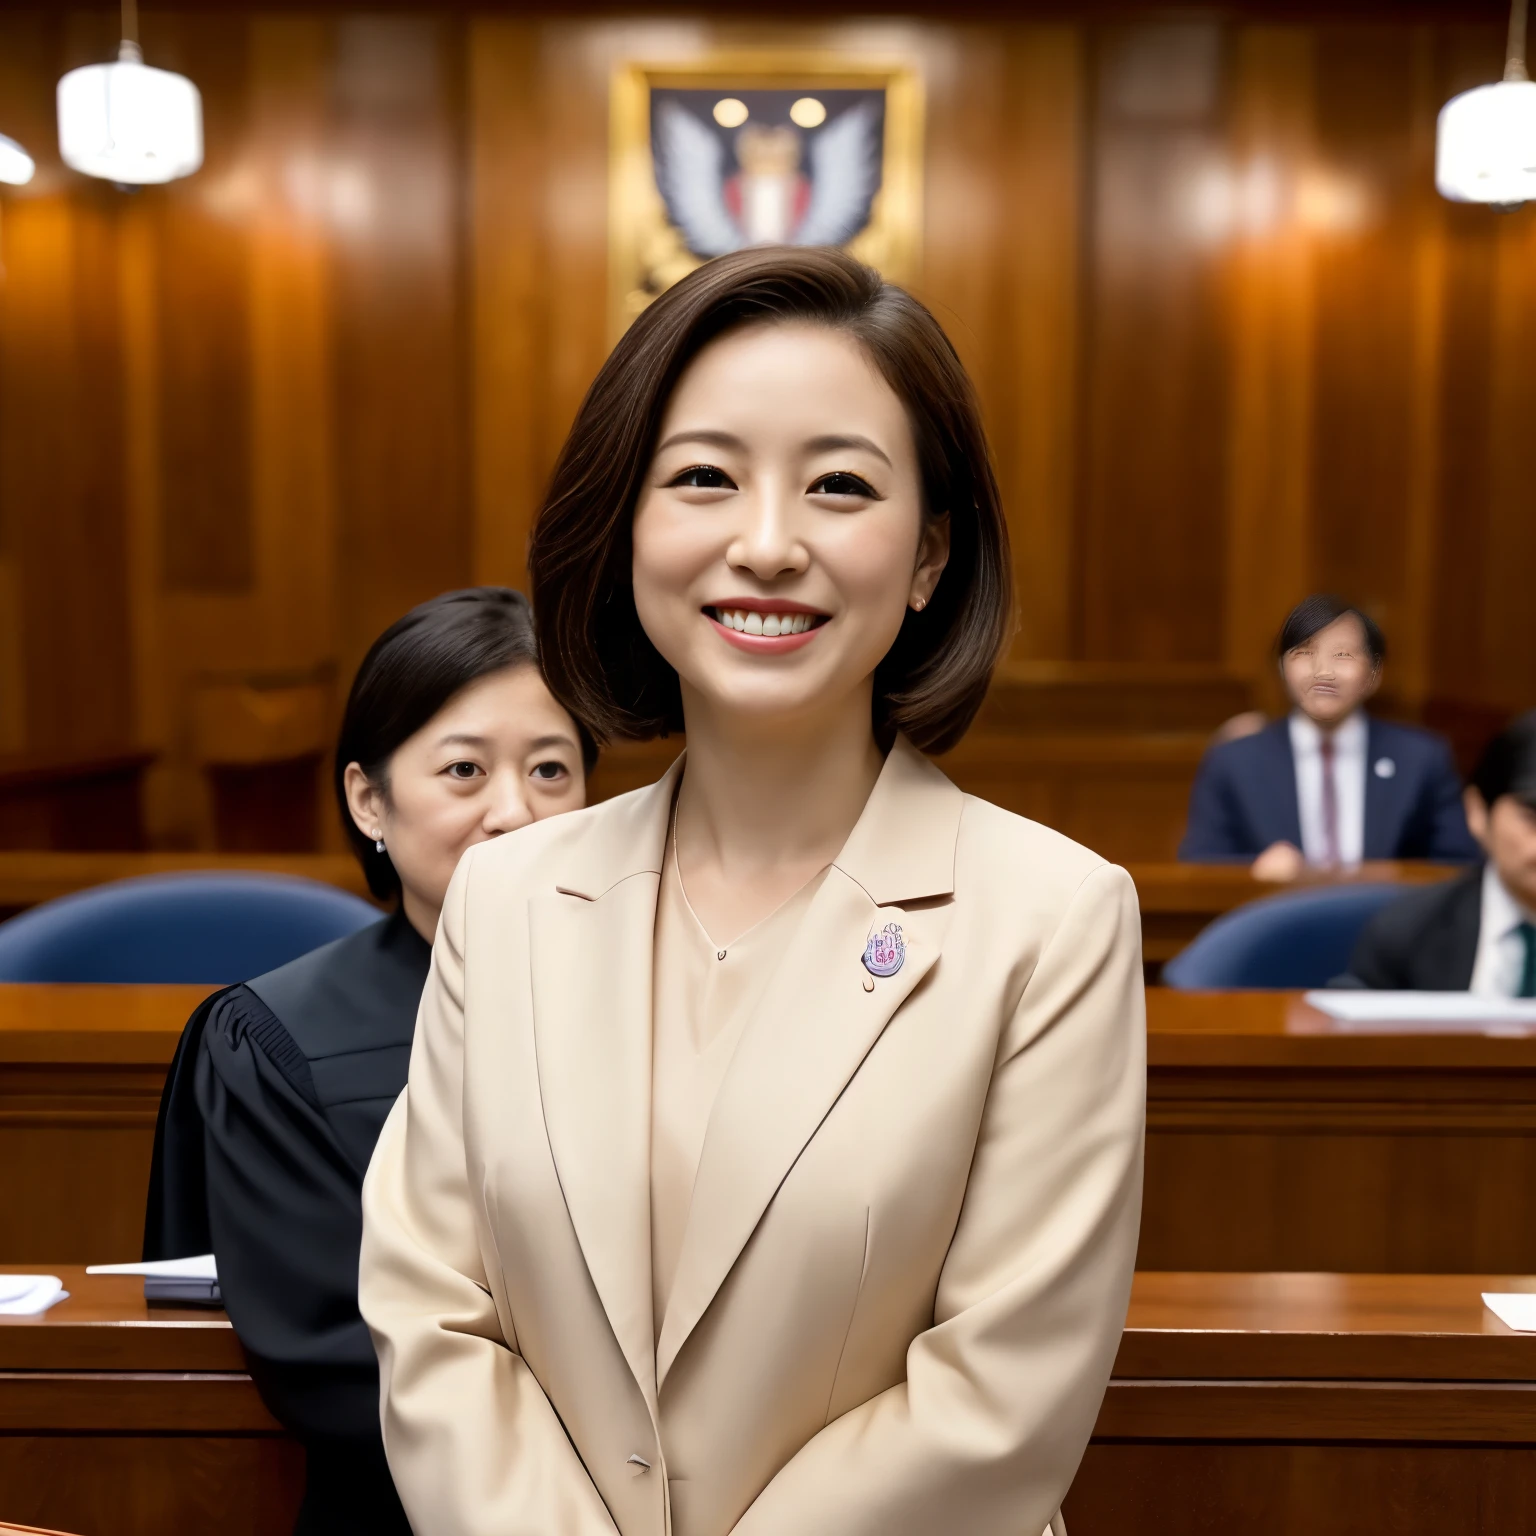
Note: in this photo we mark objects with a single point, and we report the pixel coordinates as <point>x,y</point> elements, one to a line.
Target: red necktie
<point>1330,805</point>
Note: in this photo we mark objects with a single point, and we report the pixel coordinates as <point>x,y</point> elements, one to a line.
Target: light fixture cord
<point>131,20</point>
<point>1514,65</point>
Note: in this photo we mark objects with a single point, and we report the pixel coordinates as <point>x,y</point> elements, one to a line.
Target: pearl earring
<point>378,842</point>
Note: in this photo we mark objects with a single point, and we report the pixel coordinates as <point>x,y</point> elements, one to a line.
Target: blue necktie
<point>1527,932</point>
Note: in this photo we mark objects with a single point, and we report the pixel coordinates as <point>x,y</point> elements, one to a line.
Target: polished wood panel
<point>1242,1402</point>
<point>1278,1140</point>
<point>73,799</point>
<point>81,1071</point>
<point>1274,1136</point>
<point>120,1419</point>
<point>33,876</point>
<point>1229,343</point>
<point>1277,1403</point>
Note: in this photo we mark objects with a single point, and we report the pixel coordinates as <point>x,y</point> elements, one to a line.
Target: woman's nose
<point>767,545</point>
<point>508,807</point>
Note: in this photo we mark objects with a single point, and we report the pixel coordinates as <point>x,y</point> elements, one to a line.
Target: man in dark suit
<point>1329,785</point>
<point>1477,933</point>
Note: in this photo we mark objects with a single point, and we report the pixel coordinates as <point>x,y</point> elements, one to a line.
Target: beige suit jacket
<point>909,1255</point>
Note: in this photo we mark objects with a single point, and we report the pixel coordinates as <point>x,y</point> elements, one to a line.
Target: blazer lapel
<point>815,1023</point>
<point>590,943</point>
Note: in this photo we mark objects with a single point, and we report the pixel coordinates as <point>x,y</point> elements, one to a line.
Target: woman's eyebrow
<point>702,435</point>
<point>832,441</point>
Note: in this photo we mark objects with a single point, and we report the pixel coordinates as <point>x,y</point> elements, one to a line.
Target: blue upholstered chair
<point>193,928</point>
<point>1299,939</point>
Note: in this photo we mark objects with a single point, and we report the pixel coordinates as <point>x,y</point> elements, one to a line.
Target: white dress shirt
<point>1349,752</point>
<point>1500,964</point>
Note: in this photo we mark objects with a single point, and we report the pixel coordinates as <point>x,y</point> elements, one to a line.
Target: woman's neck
<point>766,805</point>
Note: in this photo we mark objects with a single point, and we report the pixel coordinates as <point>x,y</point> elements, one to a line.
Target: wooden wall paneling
<point>281,195</point>
<point>1270,437</point>
<point>60,455</point>
<point>1043,132</point>
<point>1366,348</point>
<point>508,150</point>
<point>400,314</point>
<point>1001,273</point>
<point>1152,509</point>
<point>1426,213</point>
<point>208,538</point>
<point>1509,612</point>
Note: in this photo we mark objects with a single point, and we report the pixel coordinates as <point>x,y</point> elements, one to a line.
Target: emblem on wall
<point>724,156</point>
<point>767,167</point>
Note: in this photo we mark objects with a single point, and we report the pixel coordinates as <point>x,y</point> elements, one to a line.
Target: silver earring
<point>378,843</point>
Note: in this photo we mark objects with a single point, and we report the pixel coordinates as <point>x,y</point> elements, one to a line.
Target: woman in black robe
<point>280,1086</point>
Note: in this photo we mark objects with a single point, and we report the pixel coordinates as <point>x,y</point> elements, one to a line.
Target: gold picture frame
<point>647,254</point>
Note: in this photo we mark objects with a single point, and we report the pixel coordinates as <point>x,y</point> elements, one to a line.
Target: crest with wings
<point>764,179</point>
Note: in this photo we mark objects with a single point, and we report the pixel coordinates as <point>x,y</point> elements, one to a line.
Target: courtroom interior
<point>301,309</point>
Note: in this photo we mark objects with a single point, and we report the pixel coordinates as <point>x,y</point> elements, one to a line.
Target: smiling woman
<point>771,1156</point>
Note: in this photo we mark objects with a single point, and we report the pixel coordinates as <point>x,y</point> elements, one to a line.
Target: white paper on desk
<point>27,1295</point>
<point>200,1266</point>
<point>1462,1012</point>
<point>1515,1309</point>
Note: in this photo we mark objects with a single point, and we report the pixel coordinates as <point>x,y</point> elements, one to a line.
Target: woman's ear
<point>932,557</point>
<point>365,800</point>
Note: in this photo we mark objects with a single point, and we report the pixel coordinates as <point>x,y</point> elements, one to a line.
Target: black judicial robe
<point>274,1101</point>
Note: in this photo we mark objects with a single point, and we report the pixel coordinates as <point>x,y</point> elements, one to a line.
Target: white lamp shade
<point>129,123</point>
<point>1486,149</point>
<point>15,163</point>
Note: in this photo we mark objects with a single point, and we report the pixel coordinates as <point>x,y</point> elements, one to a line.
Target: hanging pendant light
<point>1486,145</point>
<point>16,165</point>
<point>128,123</point>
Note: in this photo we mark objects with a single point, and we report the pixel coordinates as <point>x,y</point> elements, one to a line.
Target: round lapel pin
<point>885,951</point>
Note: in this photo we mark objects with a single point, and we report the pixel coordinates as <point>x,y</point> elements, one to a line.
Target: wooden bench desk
<point>1245,1405</point>
<point>1274,1140</point>
<point>81,1069</point>
<point>1329,1405</point>
<point>120,1419</point>
<point>1277,1140</point>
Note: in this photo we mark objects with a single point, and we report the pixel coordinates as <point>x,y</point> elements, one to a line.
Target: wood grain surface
<point>1229,343</point>
<point>1239,1403</point>
<point>1275,1138</point>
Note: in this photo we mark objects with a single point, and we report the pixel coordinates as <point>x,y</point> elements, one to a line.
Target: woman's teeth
<point>763,623</point>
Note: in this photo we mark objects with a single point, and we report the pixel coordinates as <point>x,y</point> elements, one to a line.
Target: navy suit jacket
<point>1244,798</point>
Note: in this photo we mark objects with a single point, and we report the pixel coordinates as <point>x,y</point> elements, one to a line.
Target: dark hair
<point>599,661</point>
<point>1508,763</point>
<point>410,672</point>
<point>1316,613</point>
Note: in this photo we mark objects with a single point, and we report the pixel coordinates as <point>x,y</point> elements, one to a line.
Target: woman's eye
<point>549,772</point>
<point>463,770</point>
<point>704,477</point>
<point>841,483</point>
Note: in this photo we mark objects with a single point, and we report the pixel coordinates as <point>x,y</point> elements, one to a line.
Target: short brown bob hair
<point>599,661</point>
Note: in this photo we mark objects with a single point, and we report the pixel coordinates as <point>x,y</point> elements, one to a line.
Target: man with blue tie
<point>1329,786</point>
<point>1477,933</point>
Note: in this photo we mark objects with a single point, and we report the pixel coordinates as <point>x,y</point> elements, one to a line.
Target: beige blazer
<point>909,1255</point>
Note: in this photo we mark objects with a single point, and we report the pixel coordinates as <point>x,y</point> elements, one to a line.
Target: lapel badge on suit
<point>886,950</point>
<point>1385,768</point>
